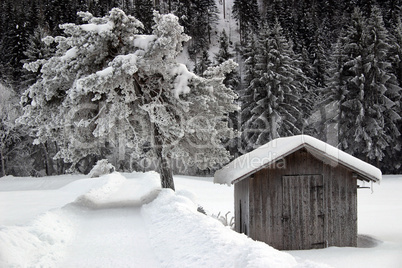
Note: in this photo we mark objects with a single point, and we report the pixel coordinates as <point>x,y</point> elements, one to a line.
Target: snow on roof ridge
<point>274,150</point>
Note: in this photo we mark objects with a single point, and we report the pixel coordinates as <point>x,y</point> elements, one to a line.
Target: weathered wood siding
<point>242,207</point>
<point>341,207</point>
<point>303,212</point>
<point>322,197</point>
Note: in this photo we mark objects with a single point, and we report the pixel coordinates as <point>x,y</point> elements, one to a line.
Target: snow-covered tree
<point>365,87</point>
<point>108,81</point>
<point>143,11</point>
<point>224,49</point>
<point>202,63</point>
<point>11,144</point>
<point>276,91</point>
<point>247,15</point>
<point>246,94</point>
<point>382,92</point>
<point>232,80</point>
<point>36,50</point>
<point>199,19</point>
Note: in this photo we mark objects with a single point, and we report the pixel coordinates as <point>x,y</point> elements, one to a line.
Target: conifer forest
<point>329,69</point>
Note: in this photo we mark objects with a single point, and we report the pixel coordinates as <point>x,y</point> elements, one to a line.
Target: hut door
<point>303,212</point>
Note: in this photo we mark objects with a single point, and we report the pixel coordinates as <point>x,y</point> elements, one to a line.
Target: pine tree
<point>13,44</point>
<point>107,80</point>
<point>36,50</point>
<point>232,79</point>
<point>203,63</point>
<point>381,92</point>
<point>246,96</point>
<point>14,159</point>
<point>247,15</point>
<point>223,53</point>
<point>276,90</point>
<point>365,88</point>
<point>392,163</point>
<point>143,11</point>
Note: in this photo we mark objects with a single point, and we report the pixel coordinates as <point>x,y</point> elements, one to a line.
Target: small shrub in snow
<point>224,219</point>
<point>102,167</point>
<point>201,210</point>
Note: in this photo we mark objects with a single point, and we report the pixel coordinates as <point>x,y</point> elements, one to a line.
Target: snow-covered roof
<point>277,149</point>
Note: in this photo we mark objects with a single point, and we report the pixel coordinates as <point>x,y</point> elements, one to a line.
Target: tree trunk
<point>273,121</point>
<point>163,162</point>
<point>60,163</point>
<point>48,160</point>
<point>3,164</point>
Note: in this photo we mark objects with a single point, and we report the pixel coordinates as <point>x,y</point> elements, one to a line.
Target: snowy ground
<point>125,220</point>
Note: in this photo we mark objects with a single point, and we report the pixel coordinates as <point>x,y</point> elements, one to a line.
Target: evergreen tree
<point>37,49</point>
<point>107,80</point>
<point>276,90</point>
<point>247,15</point>
<point>232,79</point>
<point>199,19</point>
<point>246,95</point>
<point>382,92</point>
<point>143,11</point>
<point>13,43</point>
<point>14,149</point>
<point>203,63</point>
<point>365,89</point>
<point>224,50</point>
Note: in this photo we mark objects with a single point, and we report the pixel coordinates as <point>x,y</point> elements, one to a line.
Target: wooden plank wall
<point>302,211</point>
<point>266,208</point>
<point>341,205</point>
<point>265,200</point>
<point>242,207</point>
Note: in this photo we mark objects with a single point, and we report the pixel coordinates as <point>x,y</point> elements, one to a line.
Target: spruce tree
<point>232,79</point>
<point>246,95</point>
<point>365,88</point>
<point>203,63</point>
<point>37,49</point>
<point>381,92</point>
<point>247,15</point>
<point>143,11</point>
<point>276,90</point>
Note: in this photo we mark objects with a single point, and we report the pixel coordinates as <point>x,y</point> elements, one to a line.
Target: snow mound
<point>174,226</point>
<point>42,243</point>
<point>117,191</point>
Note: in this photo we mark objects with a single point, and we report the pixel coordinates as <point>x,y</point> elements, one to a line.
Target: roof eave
<point>363,175</point>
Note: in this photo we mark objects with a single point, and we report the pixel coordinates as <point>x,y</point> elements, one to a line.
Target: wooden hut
<point>297,193</point>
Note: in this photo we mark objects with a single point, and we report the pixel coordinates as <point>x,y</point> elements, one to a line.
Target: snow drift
<point>128,221</point>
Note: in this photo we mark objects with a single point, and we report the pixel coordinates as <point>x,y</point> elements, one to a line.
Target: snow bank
<point>276,149</point>
<point>120,192</point>
<point>183,237</point>
<point>40,244</point>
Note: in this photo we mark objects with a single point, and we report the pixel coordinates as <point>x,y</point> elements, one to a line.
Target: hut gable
<point>277,149</point>
<point>297,193</point>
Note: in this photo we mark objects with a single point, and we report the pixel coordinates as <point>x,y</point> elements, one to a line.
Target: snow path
<point>109,238</point>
